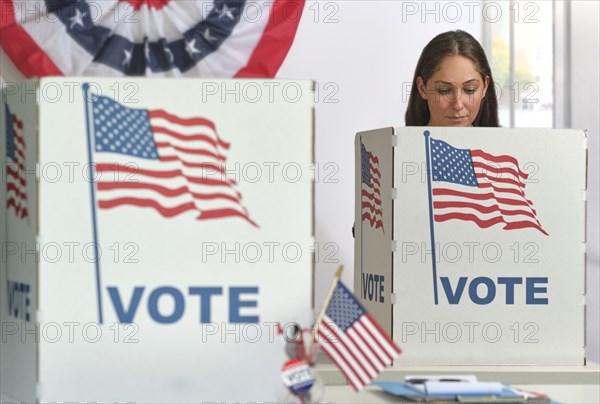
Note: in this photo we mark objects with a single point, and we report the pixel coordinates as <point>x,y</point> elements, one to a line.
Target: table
<point>563,393</point>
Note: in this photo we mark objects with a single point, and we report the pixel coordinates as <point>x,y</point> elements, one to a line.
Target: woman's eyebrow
<point>452,83</point>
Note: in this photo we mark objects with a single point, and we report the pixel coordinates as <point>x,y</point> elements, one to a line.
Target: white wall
<point>585,92</point>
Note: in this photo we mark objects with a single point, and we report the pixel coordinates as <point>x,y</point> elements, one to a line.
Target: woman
<point>453,84</point>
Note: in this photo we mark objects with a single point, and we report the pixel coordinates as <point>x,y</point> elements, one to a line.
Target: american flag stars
<point>123,130</point>
<point>452,164</point>
<point>77,19</point>
<point>344,310</point>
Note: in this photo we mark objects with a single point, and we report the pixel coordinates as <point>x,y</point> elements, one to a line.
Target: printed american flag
<point>353,340</point>
<point>154,159</point>
<point>16,185</point>
<point>476,186</point>
<point>371,184</point>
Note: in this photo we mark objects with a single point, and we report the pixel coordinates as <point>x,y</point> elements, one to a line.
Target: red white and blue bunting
<point>221,38</point>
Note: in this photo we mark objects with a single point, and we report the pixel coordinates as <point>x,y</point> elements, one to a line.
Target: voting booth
<point>155,233</point>
<point>470,243</point>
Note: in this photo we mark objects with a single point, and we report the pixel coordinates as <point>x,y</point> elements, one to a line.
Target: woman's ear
<point>486,84</point>
<point>421,87</point>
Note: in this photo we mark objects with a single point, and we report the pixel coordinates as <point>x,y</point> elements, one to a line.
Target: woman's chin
<point>448,121</point>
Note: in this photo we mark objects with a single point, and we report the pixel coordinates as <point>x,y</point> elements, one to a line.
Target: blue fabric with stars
<point>10,135</point>
<point>343,308</point>
<point>81,23</point>
<point>365,161</point>
<point>123,130</point>
<point>450,164</point>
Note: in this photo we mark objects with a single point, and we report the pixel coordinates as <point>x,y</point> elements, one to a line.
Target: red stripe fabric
<point>110,167</point>
<point>499,159</point>
<point>107,186</point>
<point>348,343</point>
<point>185,138</point>
<point>378,343</point>
<point>223,213</point>
<point>482,209</point>
<point>160,113</point>
<point>147,203</point>
<point>220,168</point>
<point>155,4</point>
<point>276,41</point>
<point>187,150</point>
<point>16,184</point>
<point>20,47</point>
<point>342,363</point>
<point>382,333</point>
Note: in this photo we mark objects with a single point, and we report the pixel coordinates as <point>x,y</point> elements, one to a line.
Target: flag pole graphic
<point>5,239</point>
<point>361,219</point>
<point>433,257</point>
<point>6,160</point>
<point>90,130</point>
<point>336,278</point>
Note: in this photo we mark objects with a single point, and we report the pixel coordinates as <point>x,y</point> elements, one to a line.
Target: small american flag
<point>353,340</point>
<point>473,185</point>
<point>154,159</point>
<point>371,184</point>
<point>16,185</point>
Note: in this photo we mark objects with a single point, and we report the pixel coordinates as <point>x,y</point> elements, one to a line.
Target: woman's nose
<point>457,104</point>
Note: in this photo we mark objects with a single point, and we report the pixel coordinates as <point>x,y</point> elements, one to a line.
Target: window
<point>519,37</point>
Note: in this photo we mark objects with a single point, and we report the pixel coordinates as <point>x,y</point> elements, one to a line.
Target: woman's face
<point>454,92</point>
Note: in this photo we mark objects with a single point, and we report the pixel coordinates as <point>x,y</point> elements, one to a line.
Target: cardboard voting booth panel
<point>505,210</point>
<point>155,233</point>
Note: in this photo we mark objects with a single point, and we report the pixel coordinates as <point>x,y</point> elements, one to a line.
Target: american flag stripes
<point>16,184</point>
<point>371,185</point>
<point>353,340</point>
<point>476,186</point>
<point>154,159</point>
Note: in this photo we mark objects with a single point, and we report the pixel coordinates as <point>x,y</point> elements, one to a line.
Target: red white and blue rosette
<point>297,376</point>
<point>193,38</point>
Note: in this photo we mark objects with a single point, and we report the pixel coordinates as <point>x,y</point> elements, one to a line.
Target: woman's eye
<point>470,90</point>
<point>443,91</point>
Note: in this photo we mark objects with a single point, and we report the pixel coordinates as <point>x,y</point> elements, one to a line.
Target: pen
<point>489,399</point>
<point>417,381</point>
<point>421,381</point>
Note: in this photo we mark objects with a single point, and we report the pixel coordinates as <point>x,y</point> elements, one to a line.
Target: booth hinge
<point>38,243</point>
<point>584,324</point>
<point>39,390</point>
